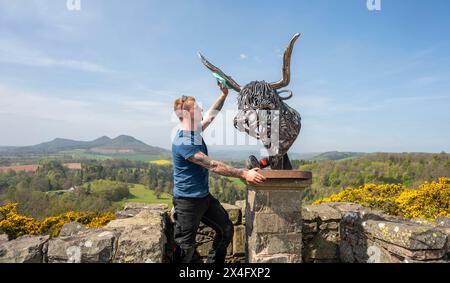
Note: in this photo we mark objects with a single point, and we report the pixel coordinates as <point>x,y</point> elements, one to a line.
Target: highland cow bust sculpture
<point>264,115</point>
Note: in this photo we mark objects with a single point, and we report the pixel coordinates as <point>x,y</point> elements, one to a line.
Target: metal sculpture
<point>264,115</point>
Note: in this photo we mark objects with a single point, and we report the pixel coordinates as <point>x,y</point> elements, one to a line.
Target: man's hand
<point>222,88</point>
<point>215,108</point>
<point>253,177</point>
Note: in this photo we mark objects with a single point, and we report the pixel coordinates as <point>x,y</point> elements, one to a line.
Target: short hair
<point>181,104</point>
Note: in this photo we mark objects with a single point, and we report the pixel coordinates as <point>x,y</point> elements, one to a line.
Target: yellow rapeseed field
<point>161,162</point>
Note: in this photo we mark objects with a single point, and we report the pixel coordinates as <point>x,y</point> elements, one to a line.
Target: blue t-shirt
<point>190,179</point>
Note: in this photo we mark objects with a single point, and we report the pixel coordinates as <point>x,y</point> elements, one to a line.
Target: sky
<point>363,80</point>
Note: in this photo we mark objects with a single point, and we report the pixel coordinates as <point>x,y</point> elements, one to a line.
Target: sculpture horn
<point>234,85</point>
<point>289,96</point>
<point>286,65</point>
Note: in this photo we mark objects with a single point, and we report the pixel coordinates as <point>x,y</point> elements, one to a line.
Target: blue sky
<point>362,80</point>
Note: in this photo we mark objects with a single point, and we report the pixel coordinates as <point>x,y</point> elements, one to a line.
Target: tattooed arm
<point>218,167</point>
<point>215,108</point>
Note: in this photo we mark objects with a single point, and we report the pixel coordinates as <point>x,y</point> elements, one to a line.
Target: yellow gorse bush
<point>428,201</point>
<point>16,225</point>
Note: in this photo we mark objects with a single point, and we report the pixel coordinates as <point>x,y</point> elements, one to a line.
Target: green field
<point>238,182</point>
<point>139,193</point>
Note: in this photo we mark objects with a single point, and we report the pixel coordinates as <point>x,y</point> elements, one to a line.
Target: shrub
<point>428,201</point>
<point>16,225</point>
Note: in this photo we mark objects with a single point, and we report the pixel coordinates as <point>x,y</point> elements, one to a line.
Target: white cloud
<point>243,56</point>
<point>14,52</point>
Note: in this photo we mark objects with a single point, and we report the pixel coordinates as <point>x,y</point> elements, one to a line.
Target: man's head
<point>187,109</point>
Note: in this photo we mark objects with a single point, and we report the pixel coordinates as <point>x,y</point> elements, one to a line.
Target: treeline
<point>51,175</point>
<point>225,190</point>
<point>409,169</point>
<point>97,187</point>
<point>156,177</point>
<point>39,204</point>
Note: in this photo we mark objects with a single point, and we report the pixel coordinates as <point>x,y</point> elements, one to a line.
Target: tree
<point>158,192</point>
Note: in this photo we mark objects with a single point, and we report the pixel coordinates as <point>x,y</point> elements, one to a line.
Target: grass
<point>139,193</point>
<point>238,182</point>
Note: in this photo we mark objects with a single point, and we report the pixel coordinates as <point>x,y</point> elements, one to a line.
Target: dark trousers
<point>189,212</point>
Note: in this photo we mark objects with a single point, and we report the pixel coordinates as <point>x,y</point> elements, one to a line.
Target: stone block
<point>346,252</point>
<point>257,201</point>
<point>284,201</point>
<point>309,227</point>
<point>204,248</point>
<point>344,207</point>
<point>131,209</point>
<point>321,247</point>
<point>417,255</point>
<point>25,249</point>
<point>241,205</point>
<point>274,201</point>
<point>443,221</point>
<point>407,235</point>
<point>286,222</point>
<point>234,213</point>
<point>239,240</point>
<point>72,228</point>
<point>270,244</point>
<point>94,246</point>
<point>329,226</point>
<point>141,244</point>
<point>3,238</point>
<point>143,218</point>
<point>371,252</point>
<point>147,206</point>
<point>279,258</point>
<point>323,212</point>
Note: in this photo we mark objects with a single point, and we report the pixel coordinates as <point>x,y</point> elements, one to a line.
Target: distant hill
<point>103,145</point>
<point>229,153</point>
<point>336,155</point>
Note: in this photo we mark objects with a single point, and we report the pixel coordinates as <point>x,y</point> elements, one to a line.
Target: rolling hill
<point>336,155</point>
<point>104,145</point>
<point>228,153</point>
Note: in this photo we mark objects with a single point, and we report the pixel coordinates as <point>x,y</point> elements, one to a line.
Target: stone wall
<point>137,235</point>
<point>320,234</point>
<point>141,233</point>
<point>347,232</point>
<point>332,232</point>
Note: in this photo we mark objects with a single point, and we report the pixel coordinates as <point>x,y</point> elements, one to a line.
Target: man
<point>192,201</point>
